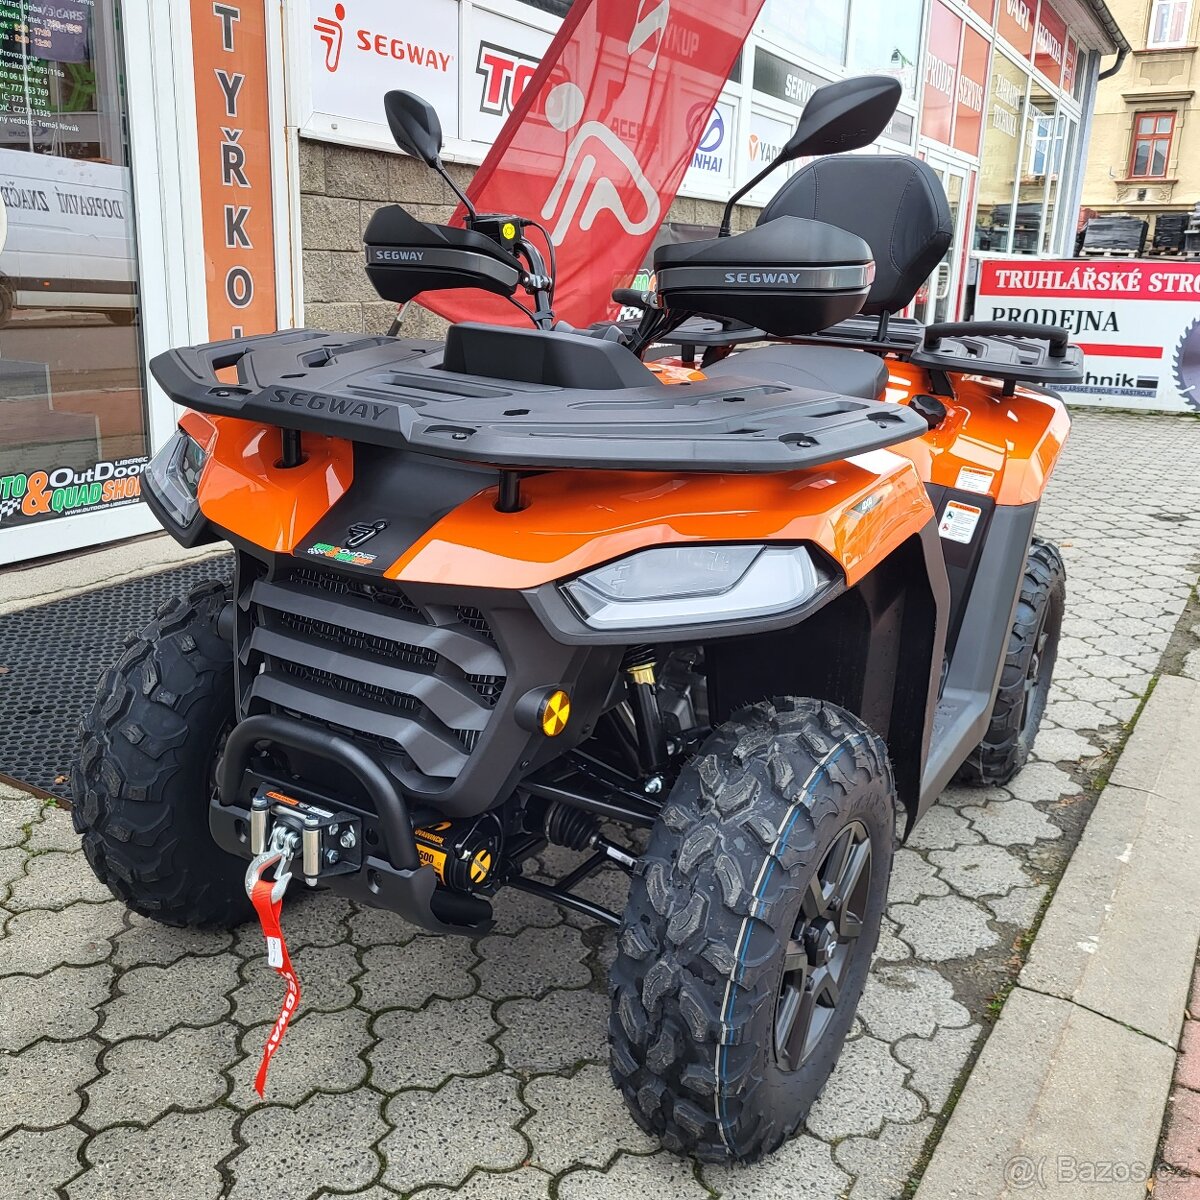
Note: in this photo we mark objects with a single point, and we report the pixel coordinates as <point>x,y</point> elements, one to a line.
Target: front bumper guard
<point>397,882</point>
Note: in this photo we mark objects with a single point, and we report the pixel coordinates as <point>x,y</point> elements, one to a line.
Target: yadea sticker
<point>959,521</point>
<point>971,479</point>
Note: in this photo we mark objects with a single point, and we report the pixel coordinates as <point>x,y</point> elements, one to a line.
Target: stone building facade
<point>340,189</point>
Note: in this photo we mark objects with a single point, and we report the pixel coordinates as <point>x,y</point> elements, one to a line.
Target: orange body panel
<point>1015,439</point>
<point>858,511</point>
<point>243,490</point>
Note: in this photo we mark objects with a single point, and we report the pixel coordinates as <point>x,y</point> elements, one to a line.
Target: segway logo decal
<point>332,33</point>
<point>555,714</point>
<point>362,531</point>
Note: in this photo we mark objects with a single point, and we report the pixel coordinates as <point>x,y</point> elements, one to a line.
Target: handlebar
<point>1058,337</point>
<point>631,298</point>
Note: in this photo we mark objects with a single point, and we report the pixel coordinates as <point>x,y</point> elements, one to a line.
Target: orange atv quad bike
<point>513,590</point>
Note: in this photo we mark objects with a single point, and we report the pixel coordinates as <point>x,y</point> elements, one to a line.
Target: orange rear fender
<point>1002,446</point>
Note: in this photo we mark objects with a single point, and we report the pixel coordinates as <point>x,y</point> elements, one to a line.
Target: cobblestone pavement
<point>443,1066</point>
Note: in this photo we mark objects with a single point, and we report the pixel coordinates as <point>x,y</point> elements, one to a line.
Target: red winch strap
<point>277,957</point>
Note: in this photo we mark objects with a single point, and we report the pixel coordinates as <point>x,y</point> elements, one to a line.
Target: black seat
<point>894,202</point>
<point>823,368</point>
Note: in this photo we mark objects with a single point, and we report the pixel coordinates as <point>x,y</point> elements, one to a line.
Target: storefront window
<point>885,38</point>
<point>72,394</point>
<point>994,221</point>
<point>1043,149</point>
<point>817,28</point>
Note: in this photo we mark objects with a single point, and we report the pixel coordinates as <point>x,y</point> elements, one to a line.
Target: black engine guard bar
<point>390,805</point>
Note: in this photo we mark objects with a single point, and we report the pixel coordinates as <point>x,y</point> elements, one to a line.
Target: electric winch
<point>330,843</point>
<point>463,854</point>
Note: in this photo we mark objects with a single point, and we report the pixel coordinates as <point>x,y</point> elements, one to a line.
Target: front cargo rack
<point>518,398</point>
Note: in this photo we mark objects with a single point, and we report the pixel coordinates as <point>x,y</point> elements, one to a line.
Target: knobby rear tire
<point>1016,713</point>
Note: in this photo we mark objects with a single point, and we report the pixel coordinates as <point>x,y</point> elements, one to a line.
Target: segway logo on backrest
<point>331,32</point>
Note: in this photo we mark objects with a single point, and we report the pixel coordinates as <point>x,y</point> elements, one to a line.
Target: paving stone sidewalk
<point>446,1067</point>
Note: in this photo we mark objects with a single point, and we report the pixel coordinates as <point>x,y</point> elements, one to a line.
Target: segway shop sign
<point>1138,322</point>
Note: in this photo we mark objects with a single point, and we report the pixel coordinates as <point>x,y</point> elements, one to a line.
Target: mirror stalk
<point>440,168</point>
<point>727,218</point>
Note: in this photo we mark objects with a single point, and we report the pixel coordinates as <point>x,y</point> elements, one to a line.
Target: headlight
<point>696,585</point>
<point>173,475</point>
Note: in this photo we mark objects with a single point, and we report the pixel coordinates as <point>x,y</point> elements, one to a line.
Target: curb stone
<point>1069,1090</point>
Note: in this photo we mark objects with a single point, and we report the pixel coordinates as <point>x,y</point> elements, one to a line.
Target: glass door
<point>74,430</point>
<point>938,298</point>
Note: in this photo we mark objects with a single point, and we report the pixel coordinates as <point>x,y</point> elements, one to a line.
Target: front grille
<point>364,643</point>
<point>376,696</point>
<point>421,683</point>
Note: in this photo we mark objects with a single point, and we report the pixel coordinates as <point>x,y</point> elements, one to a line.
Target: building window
<point>1152,134</point>
<point>1168,23</point>
<point>994,219</point>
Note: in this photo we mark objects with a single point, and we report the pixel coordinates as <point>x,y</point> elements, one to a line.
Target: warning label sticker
<point>959,521</point>
<point>971,479</point>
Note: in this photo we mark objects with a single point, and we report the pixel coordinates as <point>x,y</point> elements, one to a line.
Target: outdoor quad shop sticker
<point>42,494</point>
<point>353,558</point>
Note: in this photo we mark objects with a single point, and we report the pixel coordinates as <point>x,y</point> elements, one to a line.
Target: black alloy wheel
<point>822,947</point>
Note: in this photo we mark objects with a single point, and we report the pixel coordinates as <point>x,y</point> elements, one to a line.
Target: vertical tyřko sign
<point>229,48</point>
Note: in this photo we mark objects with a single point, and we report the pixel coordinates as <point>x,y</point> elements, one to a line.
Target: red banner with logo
<point>597,145</point>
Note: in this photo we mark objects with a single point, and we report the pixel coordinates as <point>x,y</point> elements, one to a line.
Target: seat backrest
<point>894,202</point>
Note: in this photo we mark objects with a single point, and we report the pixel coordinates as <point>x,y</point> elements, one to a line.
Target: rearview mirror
<point>846,115</point>
<point>414,125</point>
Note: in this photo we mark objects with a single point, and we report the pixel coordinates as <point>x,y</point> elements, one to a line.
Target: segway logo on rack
<point>332,31</point>
<point>506,75</point>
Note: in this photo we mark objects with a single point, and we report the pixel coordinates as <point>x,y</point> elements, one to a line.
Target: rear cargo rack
<point>398,393</point>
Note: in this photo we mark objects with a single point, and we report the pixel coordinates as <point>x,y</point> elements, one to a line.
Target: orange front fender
<point>857,511</point>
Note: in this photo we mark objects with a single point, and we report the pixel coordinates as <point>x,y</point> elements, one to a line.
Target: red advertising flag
<point>597,145</point>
